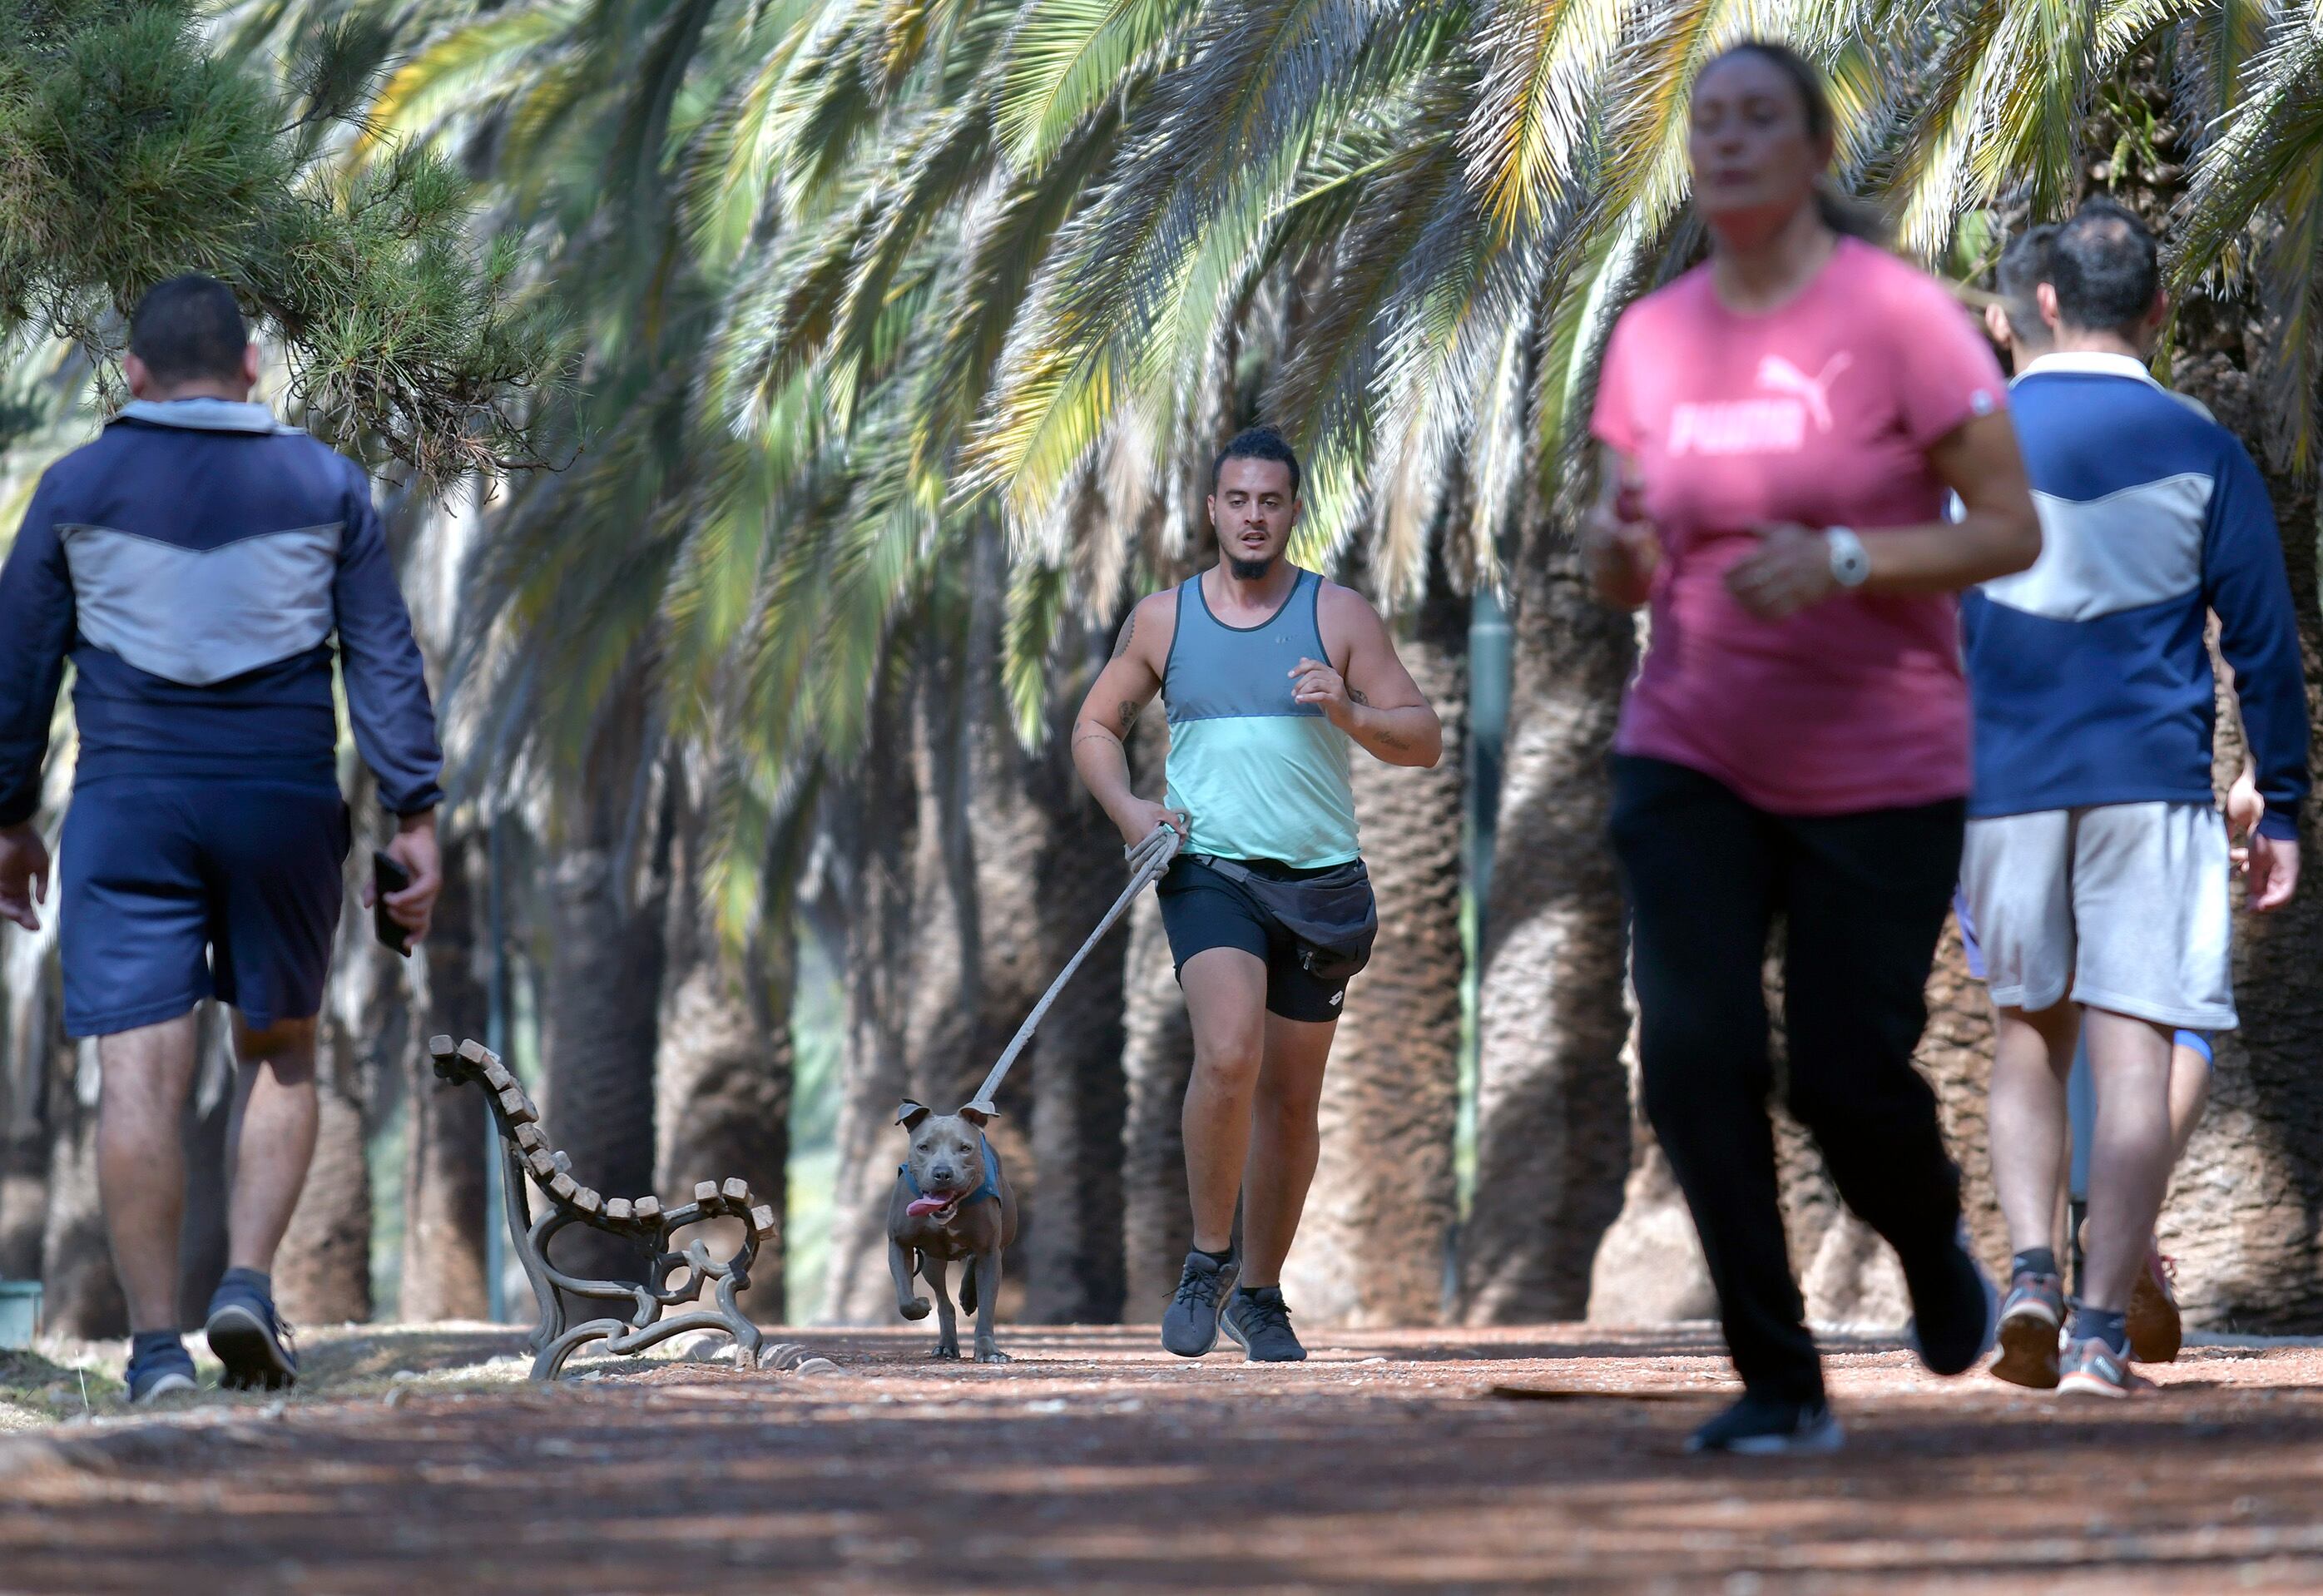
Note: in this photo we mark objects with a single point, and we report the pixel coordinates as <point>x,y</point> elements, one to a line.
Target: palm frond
<point>1039,601</point>
<point>2290,292</point>
<point>1534,110</point>
<point>450,76</point>
<point>1068,58</point>
<point>2274,134</point>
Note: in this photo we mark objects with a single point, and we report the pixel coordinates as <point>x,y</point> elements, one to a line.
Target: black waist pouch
<point>1332,915</point>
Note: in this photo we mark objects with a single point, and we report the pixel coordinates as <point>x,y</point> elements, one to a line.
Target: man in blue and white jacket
<point>2096,863</point>
<point>194,564</point>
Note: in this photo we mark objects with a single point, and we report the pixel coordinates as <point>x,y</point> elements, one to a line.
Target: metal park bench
<point>673,1276</point>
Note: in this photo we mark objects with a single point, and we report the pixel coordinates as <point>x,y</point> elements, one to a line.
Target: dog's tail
<point>968,1287</point>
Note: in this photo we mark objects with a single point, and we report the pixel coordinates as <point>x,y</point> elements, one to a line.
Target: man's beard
<point>1250,570</point>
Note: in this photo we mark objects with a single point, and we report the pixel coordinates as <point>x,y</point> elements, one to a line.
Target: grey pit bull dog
<point>951,1204</point>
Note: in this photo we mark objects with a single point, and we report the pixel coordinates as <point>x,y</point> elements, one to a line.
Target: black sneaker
<point>251,1340</point>
<point>1955,1311</point>
<point>1770,1426</point>
<point>1259,1324</point>
<point>1189,1325</point>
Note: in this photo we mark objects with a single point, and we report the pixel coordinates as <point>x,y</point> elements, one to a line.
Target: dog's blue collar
<point>990,1189</point>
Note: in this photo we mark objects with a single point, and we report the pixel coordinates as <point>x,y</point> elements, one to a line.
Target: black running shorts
<point>1202,910</point>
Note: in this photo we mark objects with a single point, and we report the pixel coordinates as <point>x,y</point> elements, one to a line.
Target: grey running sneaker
<point>2093,1368</point>
<point>1259,1323</point>
<point>1770,1426</point>
<point>1189,1325</point>
<point>2031,1321</point>
<point>251,1340</point>
<point>1955,1311</point>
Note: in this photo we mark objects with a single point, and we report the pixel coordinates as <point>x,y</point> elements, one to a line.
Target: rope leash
<point>1147,859</point>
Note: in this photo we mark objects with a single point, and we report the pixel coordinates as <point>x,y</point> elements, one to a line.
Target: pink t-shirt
<point>1821,412</point>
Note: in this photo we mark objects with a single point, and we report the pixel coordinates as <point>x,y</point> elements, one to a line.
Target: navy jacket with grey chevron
<point>196,564</point>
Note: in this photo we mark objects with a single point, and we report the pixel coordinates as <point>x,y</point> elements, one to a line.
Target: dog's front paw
<point>916,1308</point>
<point>992,1354</point>
<point>946,1351</point>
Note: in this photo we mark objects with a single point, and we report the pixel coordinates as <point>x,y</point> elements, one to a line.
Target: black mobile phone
<point>387,876</point>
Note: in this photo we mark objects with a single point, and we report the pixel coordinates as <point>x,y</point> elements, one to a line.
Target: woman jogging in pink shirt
<point>1780,426</point>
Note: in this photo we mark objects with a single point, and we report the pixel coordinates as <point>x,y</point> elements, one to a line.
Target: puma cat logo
<point>1776,373</point>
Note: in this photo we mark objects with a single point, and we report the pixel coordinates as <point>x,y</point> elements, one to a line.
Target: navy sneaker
<point>161,1372</point>
<point>1259,1323</point>
<point>250,1339</point>
<point>1770,1426</point>
<point>1955,1311</point>
<point>1189,1325</point>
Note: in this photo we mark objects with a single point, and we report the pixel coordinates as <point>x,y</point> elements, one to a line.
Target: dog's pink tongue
<point>927,1204</point>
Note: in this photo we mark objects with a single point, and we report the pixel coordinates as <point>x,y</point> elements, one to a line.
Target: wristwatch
<point>1849,565</point>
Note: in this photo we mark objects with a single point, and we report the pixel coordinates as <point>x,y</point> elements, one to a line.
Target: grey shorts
<point>2120,906</point>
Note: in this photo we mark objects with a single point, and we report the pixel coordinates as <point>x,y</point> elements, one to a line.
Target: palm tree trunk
<point>872,820</point>
<point>722,1073</point>
<point>1553,1129</point>
<point>1157,1062</point>
<point>1010,865</point>
<point>1374,1241</point>
<point>598,1042</point>
<point>322,1275</point>
<point>82,1296</point>
<point>445,1170</point>
<point>2245,1218</point>
<point>33,1046</point>
<point>1072,1235</point>
<point>608,904</point>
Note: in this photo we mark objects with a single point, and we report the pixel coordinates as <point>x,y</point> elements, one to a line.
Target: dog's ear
<point>911,1114</point>
<point>979,1115</point>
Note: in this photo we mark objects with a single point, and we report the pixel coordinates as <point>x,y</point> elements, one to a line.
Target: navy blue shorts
<point>179,888</point>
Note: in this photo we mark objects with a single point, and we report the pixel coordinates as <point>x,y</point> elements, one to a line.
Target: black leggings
<point>1864,897</point>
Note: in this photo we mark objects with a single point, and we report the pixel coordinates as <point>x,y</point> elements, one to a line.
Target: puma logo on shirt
<point>1760,425</point>
<point>1779,374</point>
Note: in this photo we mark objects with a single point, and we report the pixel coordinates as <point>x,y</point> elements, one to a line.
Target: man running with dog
<point>2097,864</point>
<point>1268,673</point>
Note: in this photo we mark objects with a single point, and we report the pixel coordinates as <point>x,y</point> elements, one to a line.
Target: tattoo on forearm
<point>1389,739</point>
<point>1096,734</point>
<point>1128,630</point>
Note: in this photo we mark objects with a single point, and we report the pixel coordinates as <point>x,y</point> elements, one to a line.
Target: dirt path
<point>1096,1463</point>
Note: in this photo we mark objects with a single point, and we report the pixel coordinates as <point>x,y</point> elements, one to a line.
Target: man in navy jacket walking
<point>194,563</point>
<point>2096,863</point>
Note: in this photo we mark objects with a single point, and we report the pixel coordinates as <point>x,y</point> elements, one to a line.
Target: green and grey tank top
<point>1263,777</point>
